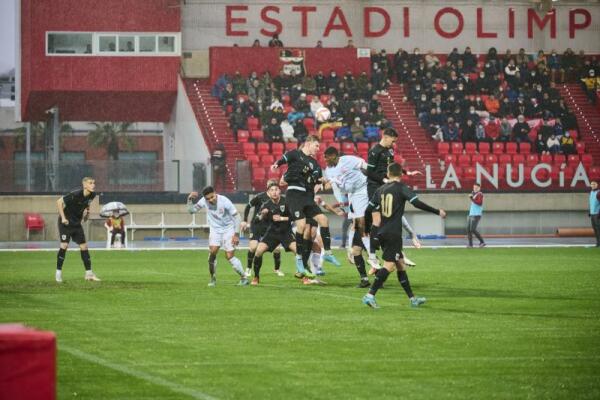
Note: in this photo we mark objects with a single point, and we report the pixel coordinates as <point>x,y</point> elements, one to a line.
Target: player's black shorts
<point>301,204</point>
<point>391,244</point>
<point>274,239</point>
<point>312,222</point>
<point>257,230</point>
<point>67,233</point>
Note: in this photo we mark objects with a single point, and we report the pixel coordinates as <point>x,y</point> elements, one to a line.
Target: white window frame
<point>136,35</point>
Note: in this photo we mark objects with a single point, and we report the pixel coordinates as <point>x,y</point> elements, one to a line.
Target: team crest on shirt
<point>282,208</point>
<point>297,214</point>
<point>398,256</point>
<point>221,210</point>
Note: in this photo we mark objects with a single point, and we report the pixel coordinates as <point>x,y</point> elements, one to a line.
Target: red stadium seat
<point>594,173</point>
<point>309,123</point>
<point>546,158</point>
<point>363,147</point>
<point>327,135</point>
<point>267,159</point>
<point>484,148</point>
<point>291,146</point>
<point>277,148</point>
<point>263,148</point>
<point>249,148</point>
<point>399,159</point>
<point>471,148</point>
<point>469,173</point>
<point>498,148</point>
<point>559,159</point>
<point>587,160</point>
<point>477,159</point>
<point>274,174</point>
<point>285,99</point>
<point>253,158</point>
<point>243,136</point>
<point>456,147</point>
<point>580,147</point>
<point>443,148</point>
<point>574,134</point>
<point>450,159</point>
<point>253,123</point>
<point>573,160</point>
<point>504,159</point>
<point>257,135</point>
<point>259,173</point>
<point>464,160</point>
<point>524,148</point>
<point>348,148</point>
<point>33,222</point>
<point>511,148</point>
<point>518,159</point>
<point>491,159</point>
<point>324,99</point>
<point>532,160</point>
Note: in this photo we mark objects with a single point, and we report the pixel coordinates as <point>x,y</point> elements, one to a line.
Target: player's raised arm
<point>285,158</point>
<point>191,206</point>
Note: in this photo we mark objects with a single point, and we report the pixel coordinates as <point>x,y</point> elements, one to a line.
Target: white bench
<point>132,227</point>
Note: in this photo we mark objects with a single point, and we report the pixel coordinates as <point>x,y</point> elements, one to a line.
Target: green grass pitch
<point>499,323</point>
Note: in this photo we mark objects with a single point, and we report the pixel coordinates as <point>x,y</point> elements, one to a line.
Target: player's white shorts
<point>359,202</point>
<point>223,240</point>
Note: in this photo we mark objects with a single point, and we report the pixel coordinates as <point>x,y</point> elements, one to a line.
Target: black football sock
<point>403,279</point>
<point>60,258</point>
<point>300,247</point>
<point>380,278</point>
<point>306,252</point>
<point>277,260</point>
<point>212,264</point>
<point>359,261</point>
<point>257,266</point>
<point>326,236</point>
<point>87,262</point>
<point>250,259</point>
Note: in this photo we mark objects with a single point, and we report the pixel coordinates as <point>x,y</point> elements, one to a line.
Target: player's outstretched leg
<point>212,269</point>
<point>405,283</point>
<point>87,263</point>
<point>380,278</point>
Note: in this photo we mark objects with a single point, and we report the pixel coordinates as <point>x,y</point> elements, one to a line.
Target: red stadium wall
<point>261,59</point>
<point>97,88</point>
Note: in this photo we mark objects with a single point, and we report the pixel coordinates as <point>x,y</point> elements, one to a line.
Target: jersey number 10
<point>387,201</point>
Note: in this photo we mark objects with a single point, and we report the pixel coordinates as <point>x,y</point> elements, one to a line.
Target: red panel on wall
<point>92,88</point>
<point>248,59</point>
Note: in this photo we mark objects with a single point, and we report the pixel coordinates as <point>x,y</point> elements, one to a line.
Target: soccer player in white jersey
<point>224,223</point>
<point>346,173</point>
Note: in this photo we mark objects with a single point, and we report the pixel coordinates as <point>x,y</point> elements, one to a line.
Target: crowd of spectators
<point>495,97</point>
<point>284,104</point>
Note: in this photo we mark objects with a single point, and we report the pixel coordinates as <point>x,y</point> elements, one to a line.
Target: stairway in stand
<point>414,143</point>
<point>588,117</point>
<point>213,124</point>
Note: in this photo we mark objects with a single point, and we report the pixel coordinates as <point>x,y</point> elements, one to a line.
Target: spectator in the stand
<point>315,104</point>
<point>567,144</point>
<point>256,92</point>
<point>302,105</point>
<point>309,84</point>
<point>374,103</point>
<point>533,109</point>
<point>228,96</point>
<point>522,59</point>
<point>219,165</point>
<point>559,130</point>
<point>273,132</point>
<point>361,84</point>
<point>553,144</point>
<point>492,104</point>
<point>505,131</point>
<point>454,56</point>
<point>332,81</point>
<point>433,122</point>
<point>482,85</point>
<point>480,134</point>
<point>591,83</point>
<point>295,115</point>
<point>379,80</point>
<point>450,131</point>
<point>468,131</point>
<point>521,130</point>
<point>358,131</point>
<point>505,108</point>
<point>510,73</point>
<point>295,91</point>
<point>520,107</point>
<point>431,60</point>
<point>372,132</point>
<point>256,43</point>
<point>469,60</point>
<point>567,65</point>
<point>554,65</point>
<point>251,79</point>
<point>350,44</point>
<point>540,144</point>
<point>275,103</point>
<point>275,42</point>
<point>378,119</point>
<point>546,130</point>
<point>492,58</point>
<point>472,115</point>
<point>319,44</point>
<point>239,83</point>
<point>238,120</point>
<point>568,119</point>
<point>300,131</point>
<point>282,83</point>
<point>321,83</point>
<point>492,129</point>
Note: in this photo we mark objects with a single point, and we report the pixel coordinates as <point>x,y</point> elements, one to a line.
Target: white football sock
<point>316,260</point>
<point>366,242</point>
<point>237,266</point>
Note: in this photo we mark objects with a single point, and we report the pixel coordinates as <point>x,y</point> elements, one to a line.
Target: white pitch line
<point>431,247</point>
<point>155,380</point>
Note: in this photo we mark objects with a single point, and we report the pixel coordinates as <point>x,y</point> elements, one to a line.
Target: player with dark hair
<point>380,157</point>
<point>475,212</point>
<point>72,209</point>
<point>258,228</point>
<point>224,223</point>
<point>388,208</point>
<point>302,175</point>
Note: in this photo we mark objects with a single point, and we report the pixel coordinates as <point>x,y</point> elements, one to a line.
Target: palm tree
<point>109,135</point>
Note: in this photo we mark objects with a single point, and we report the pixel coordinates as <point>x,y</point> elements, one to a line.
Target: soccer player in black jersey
<point>257,229</point>
<point>302,175</point>
<point>388,208</point>
<point>380,157</point>
<point>72,209</point>
<point>276,215</point>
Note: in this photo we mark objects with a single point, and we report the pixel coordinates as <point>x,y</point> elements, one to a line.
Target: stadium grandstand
<point>157,100</point>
